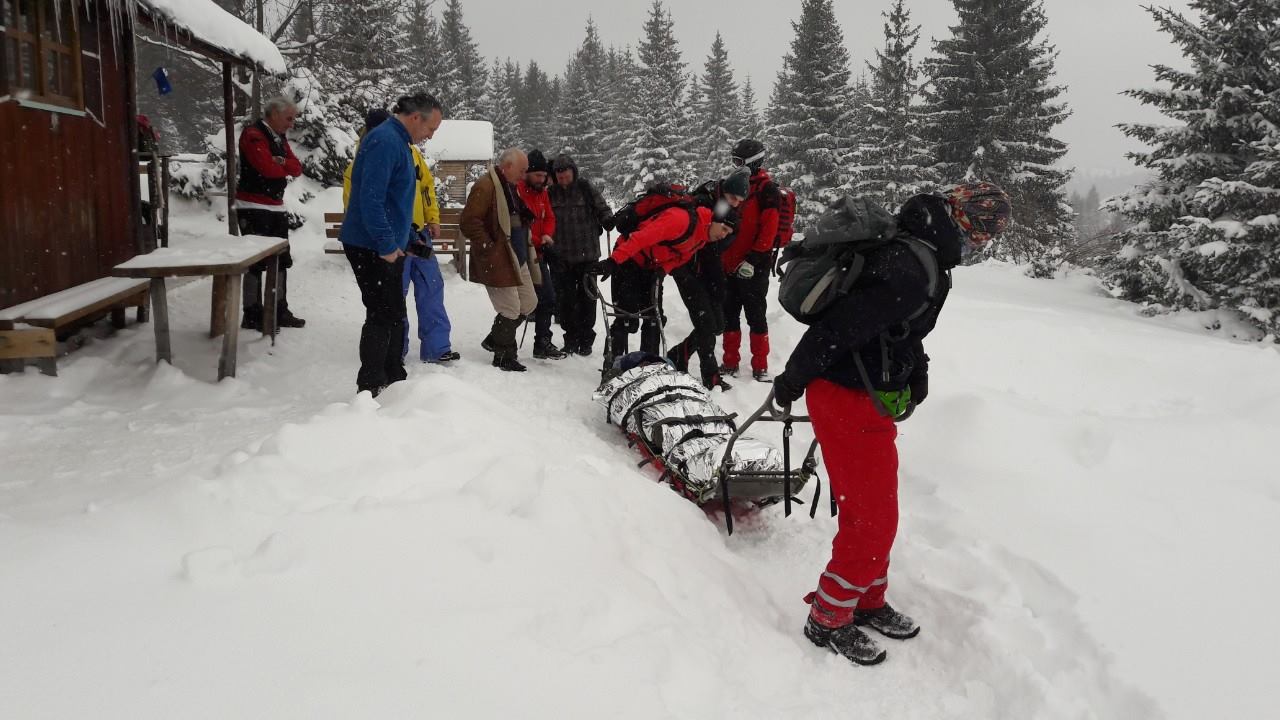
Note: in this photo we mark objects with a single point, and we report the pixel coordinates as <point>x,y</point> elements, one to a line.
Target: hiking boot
<point>548,351</point>
<point>847,641</point>
<point>888,622</point>
<point>730,370</point>
<point>761,376</point>
<point>252,319</point>
<point>583,349</point>
<point>716,381</point>
<point>487,343</point>
<point>285,318</point>
<point>449,356</point>
<point>508,363</point>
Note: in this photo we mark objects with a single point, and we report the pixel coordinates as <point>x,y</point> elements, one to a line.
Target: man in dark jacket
<point>375,233</point>
<point>862,360</point>
<point>266,164</point>
<point>581,215</point>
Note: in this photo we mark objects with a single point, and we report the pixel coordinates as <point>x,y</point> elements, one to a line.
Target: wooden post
<point>164,195</point>
<point>228,120</point>
<point>218,303</point>
<point>160,311</point>
<point>230,338</point>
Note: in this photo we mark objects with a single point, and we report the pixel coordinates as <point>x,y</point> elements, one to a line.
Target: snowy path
<point>479,544</point>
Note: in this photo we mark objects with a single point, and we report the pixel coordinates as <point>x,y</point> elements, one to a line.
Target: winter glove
<point>759,261</point>
<point>608,224</point>
<point>604,268</point>
<point>786,390</point>
<point>745,270</point>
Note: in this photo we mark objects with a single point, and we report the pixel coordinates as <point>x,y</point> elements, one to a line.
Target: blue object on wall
<point>162,81</point>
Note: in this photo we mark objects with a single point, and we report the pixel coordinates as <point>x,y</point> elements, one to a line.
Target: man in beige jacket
<point>501,255</point>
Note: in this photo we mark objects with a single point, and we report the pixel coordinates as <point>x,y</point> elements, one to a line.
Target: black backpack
<point>818,271</point>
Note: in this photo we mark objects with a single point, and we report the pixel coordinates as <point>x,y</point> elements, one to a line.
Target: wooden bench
<point>450,241</point>
<point>29,330</point>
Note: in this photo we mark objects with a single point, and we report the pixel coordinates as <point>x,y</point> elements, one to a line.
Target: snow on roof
<point>207,22</point>
<point>461,140</point>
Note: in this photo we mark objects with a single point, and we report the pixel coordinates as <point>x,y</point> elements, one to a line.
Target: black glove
<point>604,268</point>
<point>786,390</point>
<point>608,224</point>
<point>759,260</point>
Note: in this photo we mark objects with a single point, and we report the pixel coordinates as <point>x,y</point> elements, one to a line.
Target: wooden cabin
<point>70,200</point>
<point>461,149</point>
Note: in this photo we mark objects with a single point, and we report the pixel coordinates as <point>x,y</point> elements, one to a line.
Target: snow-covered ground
<point>477,544</point>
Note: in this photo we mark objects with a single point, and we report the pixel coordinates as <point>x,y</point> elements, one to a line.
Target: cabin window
<point>41,53</point>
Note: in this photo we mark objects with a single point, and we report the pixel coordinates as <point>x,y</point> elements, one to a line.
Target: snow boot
<point>547,351</point>
<point>286,319</point>
<point>508,363</point>
<point>759,354</point>
<point>847,641</point>
<point>252,319</point>
<point>888,622</point>
<point>761,376</point>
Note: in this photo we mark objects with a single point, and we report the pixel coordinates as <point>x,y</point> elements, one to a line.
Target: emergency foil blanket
<point>673,415</point>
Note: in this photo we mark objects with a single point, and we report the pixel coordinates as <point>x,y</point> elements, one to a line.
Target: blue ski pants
<point>428,295</point>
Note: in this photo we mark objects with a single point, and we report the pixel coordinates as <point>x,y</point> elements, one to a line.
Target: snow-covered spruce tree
<point>499,105</point>
<point>462,98</point>
<point>894,159</point>
<point>658,138</point>
<point>535,107</point>
<point>622,81</point>
<point>361,79</point>
<point>581,127</point>
<point>717,113</point>
<point>428,69</point>
<point>1207,232</point>
<point>991,107</point>
<point>809,111</point>
<point>749,114</point>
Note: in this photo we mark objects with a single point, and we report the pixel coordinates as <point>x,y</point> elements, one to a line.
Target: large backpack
<point>786,218</point>
<point>647,204</point>
<point>821,269</point>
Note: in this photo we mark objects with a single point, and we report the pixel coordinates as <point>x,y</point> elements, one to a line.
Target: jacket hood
<point>928,217</point>
<point>565,161</point>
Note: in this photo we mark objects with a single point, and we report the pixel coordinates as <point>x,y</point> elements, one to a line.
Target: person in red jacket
<point>533,191</point>
<point>746,262</point>
<point>664,244</point>
<point>266,164</point>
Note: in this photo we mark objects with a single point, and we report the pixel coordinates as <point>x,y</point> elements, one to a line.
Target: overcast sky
<point>1105,46</point>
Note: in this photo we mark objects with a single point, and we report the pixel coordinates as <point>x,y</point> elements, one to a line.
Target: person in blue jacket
<point>376,231</point>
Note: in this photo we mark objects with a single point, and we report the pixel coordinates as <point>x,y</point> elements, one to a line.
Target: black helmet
<point>748,152</point>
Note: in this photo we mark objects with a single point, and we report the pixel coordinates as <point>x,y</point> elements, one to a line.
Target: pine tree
<point>535,108</point>
<point>1206,234</point>
<point>752,125</point>
<point>498,105</point>
<point>717,113</point>
<point>359,78</point>
<point>458,51</point>
<point>990,108</point>
<point>809,112</point>
<point>659,140</point>
<point>582,123</point>
<point>894,159</point>
<point>621,114</point>
<point>428,70</point>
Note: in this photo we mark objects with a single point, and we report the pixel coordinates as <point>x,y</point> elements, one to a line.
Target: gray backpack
<point>818,271</point>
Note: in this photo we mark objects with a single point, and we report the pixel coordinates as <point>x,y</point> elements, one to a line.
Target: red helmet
<point>982,209</point>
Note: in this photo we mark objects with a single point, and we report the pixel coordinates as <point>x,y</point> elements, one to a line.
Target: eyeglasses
<point>738,162</point>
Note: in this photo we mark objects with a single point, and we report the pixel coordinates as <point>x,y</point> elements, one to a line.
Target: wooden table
<point>225,258</point>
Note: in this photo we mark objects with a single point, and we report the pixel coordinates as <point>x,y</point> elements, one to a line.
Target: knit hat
<point>538,162</point>
<point>375,118</point>
<point>737,183</point>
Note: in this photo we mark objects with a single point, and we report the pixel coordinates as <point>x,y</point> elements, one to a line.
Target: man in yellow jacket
<point>421,269</point>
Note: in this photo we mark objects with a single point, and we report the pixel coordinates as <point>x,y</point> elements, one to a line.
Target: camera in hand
<point>420,244</point>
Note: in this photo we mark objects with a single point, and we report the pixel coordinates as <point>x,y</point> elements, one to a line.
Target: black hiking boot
<point>287,319</point>
<point>508,363</point>
<point>252,319</point>
<point>716,381</point>
<point>888,622</point>
<point>730,370</point>
<point>548,351</point>
<point>446,357</point>
<point>583,349</point>
<point>847,641</point>
<point>761,376</point>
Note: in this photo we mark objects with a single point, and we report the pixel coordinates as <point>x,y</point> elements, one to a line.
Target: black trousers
<point>706,319</point>
<point>751,296</point>
<point>575,307</point>
<point>633,292</point>
<point>385,318</point>
<point>266,223</point>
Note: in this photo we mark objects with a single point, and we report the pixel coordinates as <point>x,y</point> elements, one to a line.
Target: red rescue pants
<point>862,464</point>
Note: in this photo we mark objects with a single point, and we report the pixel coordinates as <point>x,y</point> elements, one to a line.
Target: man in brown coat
<point>496,225</point>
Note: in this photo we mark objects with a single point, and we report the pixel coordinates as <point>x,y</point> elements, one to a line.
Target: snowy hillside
<point>477,544</point>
